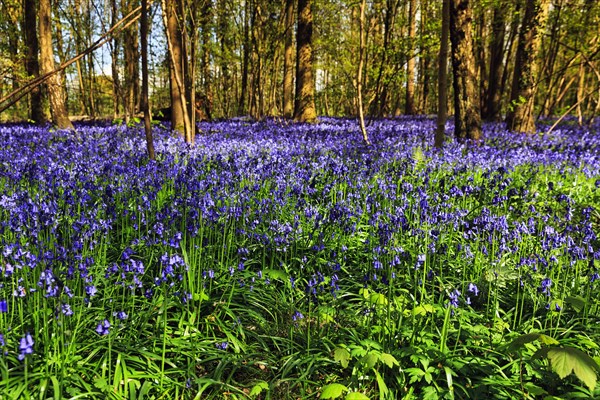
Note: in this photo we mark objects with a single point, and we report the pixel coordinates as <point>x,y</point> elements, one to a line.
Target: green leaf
<point>547,340</point>
<point>422,310</point>
<point>577,302</point>
<point>201,296</point>
<point>276,274</point>
<point>389,360</point>
<point>258,388</point>
<point>342,356</point>
<point>383,389</point>
<point>356,396</point>
<point>370,359</point>
<point>101,383</point>
<point>567,360</point>
<point>534,390</point>
<point>333,391</point>
<point>522,340</point>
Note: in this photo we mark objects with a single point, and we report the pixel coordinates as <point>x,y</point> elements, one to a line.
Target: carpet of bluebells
<point>274,260</point>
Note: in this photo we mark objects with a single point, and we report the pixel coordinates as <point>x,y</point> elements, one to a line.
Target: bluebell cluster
<point>85,212</point>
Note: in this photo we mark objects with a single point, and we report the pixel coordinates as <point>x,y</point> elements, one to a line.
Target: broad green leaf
<point>534,390</point>
<point>567,360</point>
<point>370,359</point>
<point>547,340</point>
<point>201,296</point>
<point>342,356</point>
<point>276,274</point>
<point>333,391</point>
<point>519,342</point>
<point>356,396</point>
<point>378,299</point>
<point>258,388</point>
<point>422,310</point>
<point>389,360</point>
<point>577,302</point>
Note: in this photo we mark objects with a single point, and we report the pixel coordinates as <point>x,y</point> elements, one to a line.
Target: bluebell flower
<point>25,346</point>
<point>120,315</point>
<point>103,328</point>
<point>454,295</point>
<point>66,309</point>
<point>297,316</point>
<point>473,289</point>
<point>222,345</point>
<point>91,290</point>
<point>3,306</point>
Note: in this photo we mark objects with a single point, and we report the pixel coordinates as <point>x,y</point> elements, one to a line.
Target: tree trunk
<point>144,101</point>
<point>491,105</point>
<point>520,117</point>
<point>305,84</point>
<point>177,91</point>
<point>467,114</point>
<point>32,65</point>
<point>443,76</point>
<point>132,56</point>
<point>114,59</point>
<point>359,71</point>
<point>288,60</point>
<point>56,95</point>
<point>409,108</point>
<point>245,61</point>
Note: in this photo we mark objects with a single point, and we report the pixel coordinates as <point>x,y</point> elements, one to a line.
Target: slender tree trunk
<point>56,95</point>
<point>491,106</point>
<point>359,71</point>
<point>305,84</point>
<point>410,65</point>
<point>467,114</point>
<point>224,37</point>
<point>288,60</point>
<point>144,101</point>
<point>245,61</point>
<point>32,65</point>
<point>177,90</point>
<point>131,56</point>
<point>114,59</point>
<point>443,76</point>
<point>520,117</point>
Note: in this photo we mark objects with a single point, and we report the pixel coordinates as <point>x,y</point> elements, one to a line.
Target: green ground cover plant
<point>274,261</point>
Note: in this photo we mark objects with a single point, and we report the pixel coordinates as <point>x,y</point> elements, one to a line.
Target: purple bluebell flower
<point>297,316</point>
<point>3,306</point>
<point>25,346</point>
<point>222,345</point>
<point>120,315</point>
<point>454,298</point>
<point>103,328</point>
<point>473,289</point>
<point>66,309</point>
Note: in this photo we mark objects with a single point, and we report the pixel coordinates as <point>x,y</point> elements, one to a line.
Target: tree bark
<point>467,113</point>
<point>177,90</point>
<point>443,76</point>
<point>56,94</point>
<point>491,105</point>
<point>32,65</point>
<point>359,72</point>
<point>520,116</point>
<point>305,85</point>
<point>144,101</point>
<point>409,108</point>
<point>132,73</point>
<point>288,60</point>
